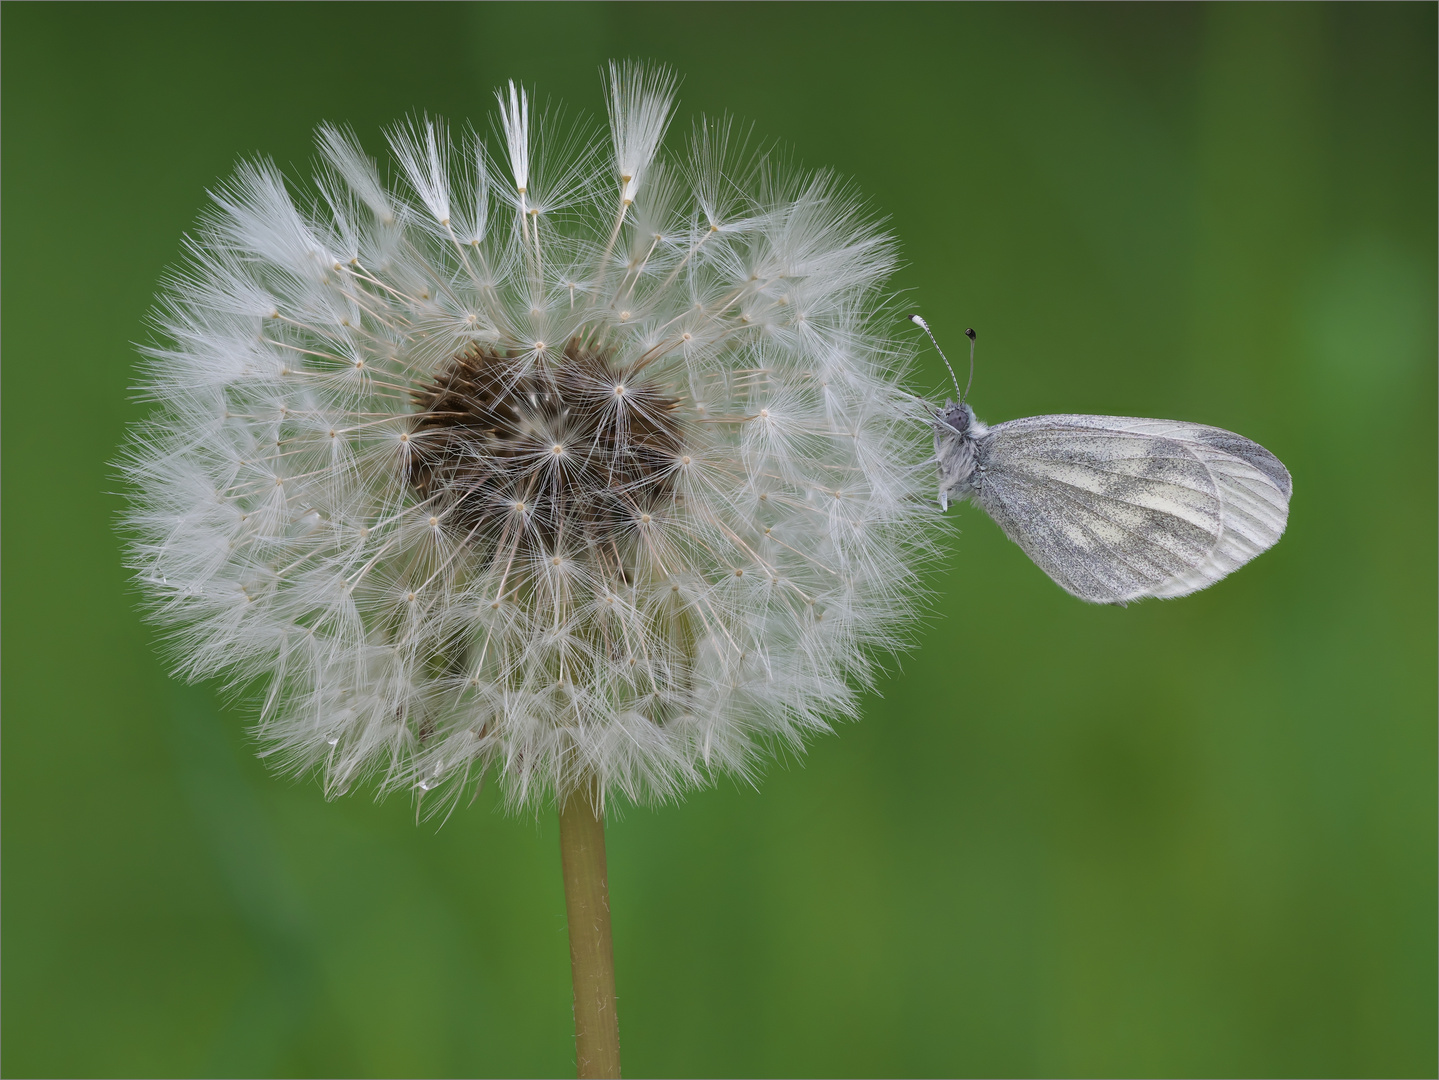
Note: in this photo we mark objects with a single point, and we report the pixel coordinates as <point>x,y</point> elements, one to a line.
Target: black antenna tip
<point>969,333</point>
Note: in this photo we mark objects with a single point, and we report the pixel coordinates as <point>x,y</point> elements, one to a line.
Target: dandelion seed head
<point>553,459</point>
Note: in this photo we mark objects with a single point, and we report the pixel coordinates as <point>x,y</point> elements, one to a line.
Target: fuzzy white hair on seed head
<point>640,104</point>
<point>546,462</point>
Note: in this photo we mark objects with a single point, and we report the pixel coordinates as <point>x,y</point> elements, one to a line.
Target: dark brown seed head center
<point>569,453</point>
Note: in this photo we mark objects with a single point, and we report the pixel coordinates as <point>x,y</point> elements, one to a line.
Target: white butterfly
<point>1116,508</point>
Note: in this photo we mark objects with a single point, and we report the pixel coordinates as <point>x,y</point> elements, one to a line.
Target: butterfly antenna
<point>973,337</point>
<point>919,322</point>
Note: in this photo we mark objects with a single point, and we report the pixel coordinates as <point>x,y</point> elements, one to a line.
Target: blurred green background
<point>1187,838</point>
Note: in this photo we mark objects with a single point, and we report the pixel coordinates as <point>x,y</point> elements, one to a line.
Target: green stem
<point>592,954</point>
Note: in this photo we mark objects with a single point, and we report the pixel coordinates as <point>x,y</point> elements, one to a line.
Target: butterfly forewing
<point>1118,508</point>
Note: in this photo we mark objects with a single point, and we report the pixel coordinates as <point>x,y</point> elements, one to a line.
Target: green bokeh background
<point>1185,838</point>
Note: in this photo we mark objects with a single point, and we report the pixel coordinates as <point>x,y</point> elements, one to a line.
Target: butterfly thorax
<point>957,449</point>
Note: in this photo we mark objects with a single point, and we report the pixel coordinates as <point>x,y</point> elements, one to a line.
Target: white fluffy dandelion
<point>560,463</point>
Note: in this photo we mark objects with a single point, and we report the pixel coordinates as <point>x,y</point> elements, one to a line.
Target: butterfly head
<point>956,420</point>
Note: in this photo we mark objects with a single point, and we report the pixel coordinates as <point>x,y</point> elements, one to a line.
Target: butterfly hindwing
<point>1120,508</point>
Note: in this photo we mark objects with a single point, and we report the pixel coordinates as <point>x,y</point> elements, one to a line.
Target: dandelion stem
<point>592,957</point>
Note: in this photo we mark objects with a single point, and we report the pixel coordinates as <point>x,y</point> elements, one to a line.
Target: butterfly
<point>1116,508</point>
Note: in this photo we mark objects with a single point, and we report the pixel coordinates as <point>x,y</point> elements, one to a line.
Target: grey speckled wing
<point>1118,508</point>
